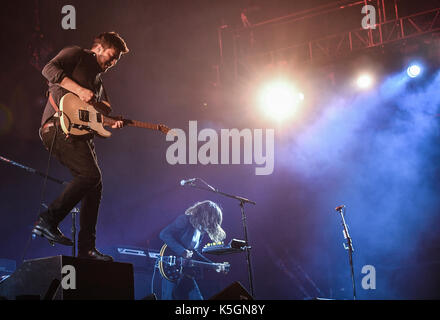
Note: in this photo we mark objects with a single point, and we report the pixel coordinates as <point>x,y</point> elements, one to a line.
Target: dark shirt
<point>78,64</point>
<point>179,235</point>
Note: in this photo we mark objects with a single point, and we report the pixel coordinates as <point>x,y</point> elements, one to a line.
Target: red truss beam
<point>341,44</point>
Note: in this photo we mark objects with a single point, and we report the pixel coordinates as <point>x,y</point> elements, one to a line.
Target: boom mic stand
<point>348,246</point>
<point>31,170</point>
<point>74,210</point>
<point>242,201</point>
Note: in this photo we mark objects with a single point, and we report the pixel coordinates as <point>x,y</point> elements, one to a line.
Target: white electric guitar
<point>79,118</point>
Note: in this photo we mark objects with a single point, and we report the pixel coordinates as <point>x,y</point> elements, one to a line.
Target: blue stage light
<point>414,70</point>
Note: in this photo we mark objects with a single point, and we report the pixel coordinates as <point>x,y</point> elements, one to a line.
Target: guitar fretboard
<point>140,124</point>
<point>133,123</point>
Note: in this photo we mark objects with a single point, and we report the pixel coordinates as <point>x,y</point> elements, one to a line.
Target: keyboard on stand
<point>219,248</point>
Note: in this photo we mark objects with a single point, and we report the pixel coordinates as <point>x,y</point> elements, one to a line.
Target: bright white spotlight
<point>414,70</point>
<point>364,81</point>
<point>279,100</point>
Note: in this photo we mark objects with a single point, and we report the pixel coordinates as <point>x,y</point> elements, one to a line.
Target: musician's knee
<point>93,180</point>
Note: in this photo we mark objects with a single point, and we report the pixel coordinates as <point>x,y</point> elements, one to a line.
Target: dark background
<point>377,153</point>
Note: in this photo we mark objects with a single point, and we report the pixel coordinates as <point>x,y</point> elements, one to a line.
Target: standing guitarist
<point>183,237</point>
<point>79,71</point>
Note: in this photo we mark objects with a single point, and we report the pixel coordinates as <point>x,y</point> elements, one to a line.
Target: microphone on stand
<point>187,181</point>
<point>340,207</point>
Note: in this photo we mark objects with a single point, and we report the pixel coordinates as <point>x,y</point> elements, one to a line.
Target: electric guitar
<point>172,267</point>
<point>79,118</point>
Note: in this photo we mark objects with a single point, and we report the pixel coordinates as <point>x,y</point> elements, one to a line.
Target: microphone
<point>340,208</point>
<point>187,181</point>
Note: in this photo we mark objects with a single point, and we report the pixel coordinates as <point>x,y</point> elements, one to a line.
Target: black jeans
<point>185,288</point>
<point>78,155</point>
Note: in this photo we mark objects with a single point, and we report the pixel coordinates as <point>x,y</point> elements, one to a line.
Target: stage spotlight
<point>364,81</point>
<point>414,70</point>
<point>279,100</point>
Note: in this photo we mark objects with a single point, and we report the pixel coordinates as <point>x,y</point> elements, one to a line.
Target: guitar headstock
<point>163,128</point>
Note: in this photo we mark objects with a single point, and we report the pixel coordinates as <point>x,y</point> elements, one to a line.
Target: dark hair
<point>207,216</point>
<point>109,40</point>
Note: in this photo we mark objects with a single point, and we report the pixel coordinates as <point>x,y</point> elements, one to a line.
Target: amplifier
<point>143,261</point>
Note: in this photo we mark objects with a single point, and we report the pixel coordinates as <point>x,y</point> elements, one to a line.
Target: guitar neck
<point>132,123</point>
<point>194,262</point>
<point>207,264</point>
<point>140,124</point>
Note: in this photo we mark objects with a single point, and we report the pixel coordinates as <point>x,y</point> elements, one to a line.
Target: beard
<point>104,65</point>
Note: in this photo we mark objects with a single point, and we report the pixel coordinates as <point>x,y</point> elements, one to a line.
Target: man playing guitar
<point>78,71</point>
<point>183,237</point>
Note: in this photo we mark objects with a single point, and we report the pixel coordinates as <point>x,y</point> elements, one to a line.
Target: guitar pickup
<point>83,115</point>
<point>170,260</point>
<point>98,117</point>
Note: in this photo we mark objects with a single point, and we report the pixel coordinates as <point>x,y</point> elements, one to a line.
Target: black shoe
<point>51,233</point>
<point>95,255</point>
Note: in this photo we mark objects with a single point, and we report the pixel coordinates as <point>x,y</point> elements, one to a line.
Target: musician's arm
<point>56,71</point>
<point>83,93</point>
<point>201,256</point>
<point>170,233</point>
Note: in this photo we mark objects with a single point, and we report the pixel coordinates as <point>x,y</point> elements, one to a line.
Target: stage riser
<point>95,280</point>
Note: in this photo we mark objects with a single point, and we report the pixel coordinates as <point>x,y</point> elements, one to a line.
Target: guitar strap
<point>54,105</point>
<point>57,111</point>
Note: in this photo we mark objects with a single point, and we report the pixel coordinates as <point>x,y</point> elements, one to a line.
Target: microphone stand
<point>74,210</point>
<point>348,246</point>
<point>31,170</point>
<point>247,248</point>
<point>73,229</point>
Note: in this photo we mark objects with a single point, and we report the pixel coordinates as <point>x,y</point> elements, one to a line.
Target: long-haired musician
<point>183,237</point>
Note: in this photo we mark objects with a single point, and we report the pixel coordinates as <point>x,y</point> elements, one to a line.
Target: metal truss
<point>385,33</point>
<point>331,47</point>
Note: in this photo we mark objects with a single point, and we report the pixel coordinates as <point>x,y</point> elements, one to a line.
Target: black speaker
<point>150,297</point>
<point>85,279</point>
<point>234,291</point>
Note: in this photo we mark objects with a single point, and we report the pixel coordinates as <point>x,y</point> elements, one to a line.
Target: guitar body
<point>79,118</point>
<point>169,266</point>
<point>172,268</point>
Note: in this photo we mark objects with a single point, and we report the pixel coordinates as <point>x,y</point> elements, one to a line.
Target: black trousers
<point>185,288</point>
<point>78,155</point>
